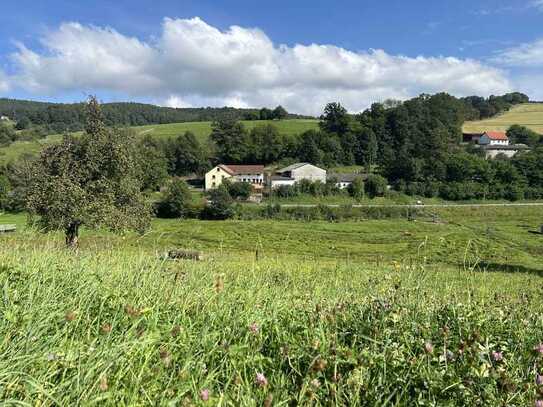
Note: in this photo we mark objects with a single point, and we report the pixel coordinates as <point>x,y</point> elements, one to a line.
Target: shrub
<point>176,200</point>
<point>220,205</point>
<point>375,186</point>
<point>239,190</point>
<point>356,188</point>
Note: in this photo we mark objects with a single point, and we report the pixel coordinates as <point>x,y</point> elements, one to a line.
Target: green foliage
<point>5,188</point>
<point>153,163</point>
<point>279,113</point>
<point>230,138</point>
<point>375,186</point>
<point>7,134</point>
<point>522,135</point>
<point>23,123</point>
<point>239,190</point>
<point>93,180</point>
<point>220,204</point>
<point>176,200</point>
<point>356,188</point>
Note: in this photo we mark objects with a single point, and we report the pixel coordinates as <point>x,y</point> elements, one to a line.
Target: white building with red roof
<point>253,174</point>
<point>494,138</point>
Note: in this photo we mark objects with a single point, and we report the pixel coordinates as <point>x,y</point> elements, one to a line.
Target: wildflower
<point>105,328</point>
<point>315,383</point>
<point>428,347</point>
<point>261,380</point>
<point>204,395</point>
<point>133,312</point>
<point>51,357</point>
<point>103,383</point>
<point>176,330</point>
<point>538,379</point>
<point>497,356</point>
<point>539,403</point>
<point>539,348</point>
<point>268,401</point>
<point>254,328</point>
<point>319,365</point>
<point>70,316</point>
<point>166,357</point>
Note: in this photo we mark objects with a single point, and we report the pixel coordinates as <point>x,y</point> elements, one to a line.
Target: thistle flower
<point>539,403</point>
<point>428,347</point>
<point>497,356</point>
<point>261,380</point>
<point>254,328</point>
<point>538,379</point>
<point>539,348</point>
<point>204,395</point>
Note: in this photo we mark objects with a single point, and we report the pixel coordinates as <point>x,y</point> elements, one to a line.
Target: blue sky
<point>298,53</point>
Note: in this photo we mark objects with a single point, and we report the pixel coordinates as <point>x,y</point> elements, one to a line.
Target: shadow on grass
<point>509,268</point>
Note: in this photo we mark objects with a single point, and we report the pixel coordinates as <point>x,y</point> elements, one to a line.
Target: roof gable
<point>496,135</point>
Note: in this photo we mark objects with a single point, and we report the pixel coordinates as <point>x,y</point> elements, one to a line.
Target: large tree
<point>91,180</point>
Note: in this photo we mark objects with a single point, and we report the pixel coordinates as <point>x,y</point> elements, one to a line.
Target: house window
<point>213,177</point>
<point>213,184</point>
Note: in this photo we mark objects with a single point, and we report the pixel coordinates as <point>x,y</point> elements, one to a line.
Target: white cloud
<point>538,4</point>
<point>528,55</point>
<point>193,63</point>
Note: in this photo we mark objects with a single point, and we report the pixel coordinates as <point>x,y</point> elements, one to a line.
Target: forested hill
<point>60,117</point>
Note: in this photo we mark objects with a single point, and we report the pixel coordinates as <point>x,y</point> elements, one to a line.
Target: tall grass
<point>127,328</point>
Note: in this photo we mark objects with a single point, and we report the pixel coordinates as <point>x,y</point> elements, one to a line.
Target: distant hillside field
<point>527,114</point>
<point>200,129</point>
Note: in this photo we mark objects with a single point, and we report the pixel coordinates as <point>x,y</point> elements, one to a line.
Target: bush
<point>356,188</point>
<point>4,193</point>
<point>220,205</point>
<point>239,190</point>
<point>375,186</point>
<point>176,200</point>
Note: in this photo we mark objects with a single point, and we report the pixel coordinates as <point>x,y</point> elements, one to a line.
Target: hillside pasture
<point>201,130</point>
<point>528,114</point>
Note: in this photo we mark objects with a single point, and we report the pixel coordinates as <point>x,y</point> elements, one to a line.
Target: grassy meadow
<point>201,130</point>
<point>375,312</point>
<point>527,114</point>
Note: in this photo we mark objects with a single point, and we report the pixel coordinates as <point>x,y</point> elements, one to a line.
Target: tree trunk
<point>72,235</point>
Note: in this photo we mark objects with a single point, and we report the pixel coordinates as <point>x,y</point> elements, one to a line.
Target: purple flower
<point>428,347</point>
<point>539,403</point>
<point>539,348</point>
<point>254,328</point>
<point>538,379</point>
<point>204,394</point>
<point>497,356</point>
<point>261,380</point>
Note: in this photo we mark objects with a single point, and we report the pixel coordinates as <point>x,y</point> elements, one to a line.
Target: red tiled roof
<point>243,169</point>
<point>496,135</point>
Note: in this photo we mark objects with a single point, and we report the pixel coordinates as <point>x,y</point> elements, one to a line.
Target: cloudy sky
<point>301,54</point>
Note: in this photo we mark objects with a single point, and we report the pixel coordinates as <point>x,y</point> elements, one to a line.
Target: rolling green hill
<point>200,129</point>
<point>527,114</point>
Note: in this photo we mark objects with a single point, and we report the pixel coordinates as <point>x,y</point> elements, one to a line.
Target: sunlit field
<point>528,114</point>
<point>374,312</point>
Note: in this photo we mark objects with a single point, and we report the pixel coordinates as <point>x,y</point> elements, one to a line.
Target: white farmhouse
<point>4,118</point>
<point>253,174</point>
<point>297,172</point>
<point>494,138</point>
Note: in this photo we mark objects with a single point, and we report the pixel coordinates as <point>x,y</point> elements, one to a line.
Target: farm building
<point>4,118</point>
<point>344,180</point>
<point>297,172</point>
<point>494,138</point>
<point>253,174</point>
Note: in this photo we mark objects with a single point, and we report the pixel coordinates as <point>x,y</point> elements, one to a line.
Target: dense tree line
<point>481,108</point>
<point>59,117</point>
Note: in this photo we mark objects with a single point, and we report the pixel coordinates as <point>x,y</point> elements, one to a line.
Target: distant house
<point>297,172</point>
<point>494,138</point>
<point>509,150</point>
<point>4,118</point>
<point>344,180</point>
<point>253,174</point>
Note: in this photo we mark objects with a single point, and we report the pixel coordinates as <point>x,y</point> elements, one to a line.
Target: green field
<point>377,312</point>
<point>528,114</point>
<point>200,129</point>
